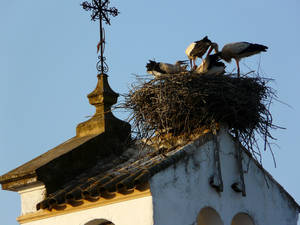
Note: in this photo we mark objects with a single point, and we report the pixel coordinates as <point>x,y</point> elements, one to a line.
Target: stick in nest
<point>182,105</point>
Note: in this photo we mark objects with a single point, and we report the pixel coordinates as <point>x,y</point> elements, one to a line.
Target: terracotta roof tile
<point>111,176</point>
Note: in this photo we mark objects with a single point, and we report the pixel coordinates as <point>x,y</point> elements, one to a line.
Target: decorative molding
<point>31,187</point>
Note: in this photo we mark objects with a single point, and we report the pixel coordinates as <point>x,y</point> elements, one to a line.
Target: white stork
<point>159,68</point>
<point>211,65</point>
<point>239,50</point>
<point>197,49</point>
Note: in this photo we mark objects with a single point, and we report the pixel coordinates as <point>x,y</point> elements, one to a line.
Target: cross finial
<point>101,11</point>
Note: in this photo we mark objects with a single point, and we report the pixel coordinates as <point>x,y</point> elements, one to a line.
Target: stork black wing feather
<point>255,48</point>
<point>201,47</point>
<point>154,66</point>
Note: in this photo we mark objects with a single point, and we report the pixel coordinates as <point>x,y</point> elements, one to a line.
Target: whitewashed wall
<point>181,191</point>
<point>136,211</point>
<point>30,196</point>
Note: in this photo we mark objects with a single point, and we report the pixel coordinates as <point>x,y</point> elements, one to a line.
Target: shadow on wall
<point>242,219</point>
<point>99,222</point>
<point>209,216</point>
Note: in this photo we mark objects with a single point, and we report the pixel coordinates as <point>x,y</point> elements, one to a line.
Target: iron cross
<point>101,11</point>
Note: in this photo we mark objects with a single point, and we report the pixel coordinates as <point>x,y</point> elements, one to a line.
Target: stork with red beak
<point>238,50</point>
<point>197,49</point>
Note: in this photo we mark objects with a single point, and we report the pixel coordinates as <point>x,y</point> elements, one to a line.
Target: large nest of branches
<point>184,104</point>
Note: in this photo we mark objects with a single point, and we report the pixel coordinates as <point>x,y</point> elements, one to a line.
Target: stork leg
<point>238,67</point>
<point>194,61</point>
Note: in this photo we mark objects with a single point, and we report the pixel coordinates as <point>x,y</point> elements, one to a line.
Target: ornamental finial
<point>101,11</point>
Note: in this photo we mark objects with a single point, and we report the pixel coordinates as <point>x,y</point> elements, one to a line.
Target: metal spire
<point>101,11</point>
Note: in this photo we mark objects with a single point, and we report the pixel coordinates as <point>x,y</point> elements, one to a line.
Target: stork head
<point>181,62</point>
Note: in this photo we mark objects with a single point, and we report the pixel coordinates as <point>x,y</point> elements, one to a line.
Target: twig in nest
<point>182,105</point>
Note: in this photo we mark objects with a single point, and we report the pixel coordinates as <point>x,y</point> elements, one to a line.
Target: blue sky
<point>48,55</point>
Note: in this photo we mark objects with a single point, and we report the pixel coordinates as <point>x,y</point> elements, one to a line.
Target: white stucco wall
<point>30,196</point>
<point>181,191</point>
<point>137,211</point>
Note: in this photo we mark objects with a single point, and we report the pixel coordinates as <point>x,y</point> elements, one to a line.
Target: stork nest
<point>183,104</point>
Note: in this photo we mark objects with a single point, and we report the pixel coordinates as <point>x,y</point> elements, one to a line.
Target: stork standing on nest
<point>239,50</point>
<point>159,68</point>
<point>211,65</point>
<point>197,49</point>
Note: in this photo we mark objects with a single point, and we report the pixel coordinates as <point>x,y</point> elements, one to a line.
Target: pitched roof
<point>64,162</point>
<point>132,170</point>
<point>111,174</point>
<point>30,167</point>
<point>122,174</point>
